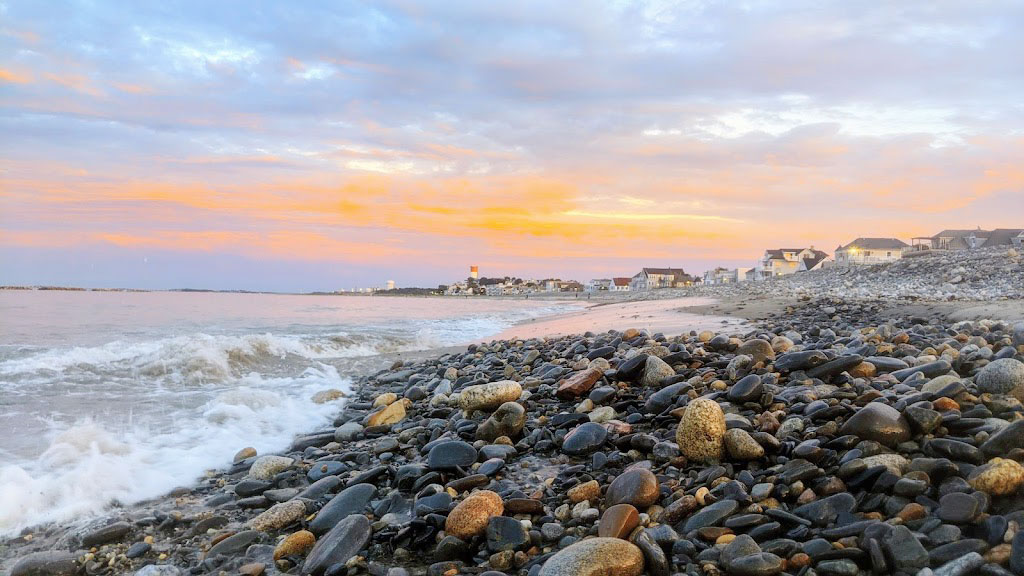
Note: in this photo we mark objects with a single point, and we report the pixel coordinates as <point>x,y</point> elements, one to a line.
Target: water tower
<point>474,272</point>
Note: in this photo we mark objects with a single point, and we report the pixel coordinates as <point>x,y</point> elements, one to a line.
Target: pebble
<point>266,467</point>
<point>879,422</point>
<point>1003,376</point>
<point>340,544</point>
<point>489,396</point>
<point>278,516</point>
<point>637,486</point>
<point>451,454</point>
<point>584,439</point>
<point>295,544</point>
<point>1000,477</point>
<point>470,517</point>
<point>740,445</point>
<point>618,521</point>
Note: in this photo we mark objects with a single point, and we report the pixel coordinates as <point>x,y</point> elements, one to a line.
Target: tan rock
<point>266,467</point>
<point>630,333</point>
<point>742,445</point>
<point>385,399</point>
<point>470,517</point>
<point>252,569</point>
<point>618,521</point>
<point>325,396</point>
<point>489,396</point>
<point>296,544</point>
<point>587,491</point>
<point>391,414</point>
<point>701,431</point>
<point>596,557</point>
<point>758,349</point>
<point>243,454</point>
<point>999,477</point>
<point>863,370</point>
<point>278,516</point>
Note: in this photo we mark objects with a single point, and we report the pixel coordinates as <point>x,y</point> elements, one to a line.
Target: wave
<point>89,467</point>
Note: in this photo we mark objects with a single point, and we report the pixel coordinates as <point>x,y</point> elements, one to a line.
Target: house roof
<point>1002,236</point>
<point>953,233</point>
<point>811,262</point>
<point>876,244</point>
<point>665,271</point>
<point>621,281</point>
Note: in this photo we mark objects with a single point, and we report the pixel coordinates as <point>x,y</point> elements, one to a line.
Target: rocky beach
<point>854,426</point>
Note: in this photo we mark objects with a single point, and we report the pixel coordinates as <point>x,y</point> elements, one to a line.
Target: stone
<point>329,395</point>
<point>505,533</point>
<point>584,439</point>
<point>351,500</point>
<point>906,552</point>
<point>278,516</point>
<point>47,563</point>
<point>711,515</point>
<point>701,431</point>
<point>879,422</point>
<point>1003,441</point>
<point>922,420</point>
<point>758,349</point>
<point>655,561</point>
<point>244,454</point>
<point>470,517</point>
<point>618,521</point>
<point>590,490</point>
<point>741,445</point>
<point>138,550</point>
<point>295,544</point>
<point>966,564</point>
<point>507,420</point>
<point>760,564</point>
<point>741,546</point>
<point>106,534</point>
<point>489,396</point>
<point>234,544</point>
<point>596,557</point>
<point>348,432</point>
<point>156,570</point>
<point>1000,477</point>
<point>747,389</point>
<point>655,370</point>
<point>266,467</point>
<point>339,545</point>
<point>451,454</point>
<point>824,511</point>
<point>637,486</point>
<point>579,383</point>
<point>958,508</point>
<point>1002,376</point>
<point>252,569</point>
<point>391,414</point>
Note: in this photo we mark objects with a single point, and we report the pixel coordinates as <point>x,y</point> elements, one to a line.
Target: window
<point>888,254</point>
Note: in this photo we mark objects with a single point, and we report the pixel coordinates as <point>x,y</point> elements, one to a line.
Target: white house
<point>654,278</point>
<point>619,285</point>
<point>599,285</point>
<point>871,251</point>
<point>785,261</point>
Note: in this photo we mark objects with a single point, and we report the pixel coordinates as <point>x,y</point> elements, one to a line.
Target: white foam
<point>86,468</point>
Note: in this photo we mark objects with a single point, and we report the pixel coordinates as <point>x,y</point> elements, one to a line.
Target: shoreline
<point>194,503</point>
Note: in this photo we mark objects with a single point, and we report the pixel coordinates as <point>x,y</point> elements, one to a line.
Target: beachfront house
<point>786,261</point>
<point>817,261</point>
<point>599,285</point>
<point>719,275</point>
<point>619,285</point>
<point>655,278</point>
<point>871,251</point>
<point>970,239</point>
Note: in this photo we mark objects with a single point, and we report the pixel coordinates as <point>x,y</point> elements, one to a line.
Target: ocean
<point>116,397</point>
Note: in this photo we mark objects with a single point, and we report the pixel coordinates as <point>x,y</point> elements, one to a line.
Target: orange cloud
<point>13,77</point>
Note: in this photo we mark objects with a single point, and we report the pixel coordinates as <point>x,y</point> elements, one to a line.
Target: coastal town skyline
<point>312,147</point>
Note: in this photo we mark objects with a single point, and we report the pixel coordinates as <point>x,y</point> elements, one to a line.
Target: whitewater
<point>111,398</point>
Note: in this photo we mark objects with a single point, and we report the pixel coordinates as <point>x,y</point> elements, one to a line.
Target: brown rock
<point>296,544</point>
<point>758,349</point>
<point>863,370</point>
<point>470,517</point>
<point>252,569</point>
<point>244,453</point>
<point>587,491</point>
<point>596,557</point>
<point>579,383</point>
<point>637,486</point>
<point>618,521</point>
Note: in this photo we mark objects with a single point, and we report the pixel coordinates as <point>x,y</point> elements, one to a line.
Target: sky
<point>303,146</point>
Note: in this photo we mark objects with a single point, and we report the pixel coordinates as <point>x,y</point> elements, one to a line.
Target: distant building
<point>786,261</point>
<point>977,238</point>
<point>619,285</point>
<point>655,278</point>
<point>599,285</point>
<point>871,251</point>
<point>389,285</point>
<point>474,272</point>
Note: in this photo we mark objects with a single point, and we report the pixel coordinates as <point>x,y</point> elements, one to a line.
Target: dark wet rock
<point>505,533</point>
<point>905,550</point>
<point>49,563</point>
<point>235,543</point>
<point>352,500</point>
<point>637,486</point>
<point>109,533</point>
<point>747,389</point>
<point>451,454</point>
<point>584,439</point>
<point>711,515</point>
<point>655,561</point>
<point>879,422</point>
<point>823,512</point>
<point>342,542</point>
<point>958,508</point>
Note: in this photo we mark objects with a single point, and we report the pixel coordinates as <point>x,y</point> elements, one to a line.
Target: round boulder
<point>701,431</point>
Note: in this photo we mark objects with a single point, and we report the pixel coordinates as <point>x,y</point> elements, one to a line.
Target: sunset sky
<point>285,146</point>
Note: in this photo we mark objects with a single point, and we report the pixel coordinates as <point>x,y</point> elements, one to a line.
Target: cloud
<point>514,134</point>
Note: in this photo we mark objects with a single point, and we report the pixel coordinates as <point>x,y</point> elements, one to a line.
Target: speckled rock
<point>638,486</point>
<point>470,517</point>
<point>278,516</point>
<point>596,557</point>
<point>266,467</point>
<point>701,431</point>
<point>758,349</point>
<point>489,396</point>
<point>507,420</point>
<point>999,477</point>
<point>296,544</point>
<point>329,395</point>
<point>1003,376</point>
<point>654,370</point>
<point>741,445</point>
